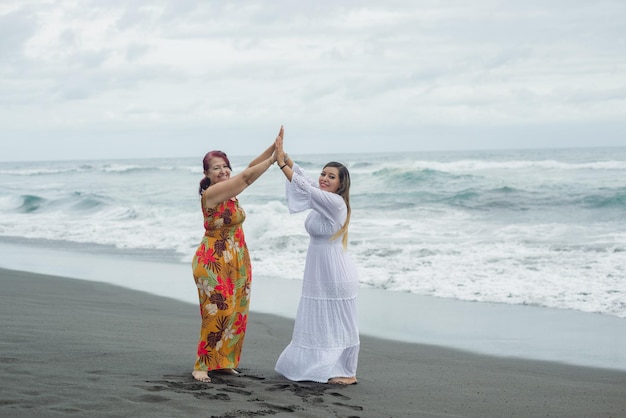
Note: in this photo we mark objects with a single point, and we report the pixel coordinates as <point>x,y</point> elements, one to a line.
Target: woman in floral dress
<point>325,343</point>
<point>221,265</point>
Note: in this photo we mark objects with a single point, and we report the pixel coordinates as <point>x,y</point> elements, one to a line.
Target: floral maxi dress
<point>222,271</point>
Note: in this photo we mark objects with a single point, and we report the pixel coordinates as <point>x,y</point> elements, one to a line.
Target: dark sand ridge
<point>80,348</point>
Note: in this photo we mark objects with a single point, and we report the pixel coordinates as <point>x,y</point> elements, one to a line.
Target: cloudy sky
<point>126,79</point>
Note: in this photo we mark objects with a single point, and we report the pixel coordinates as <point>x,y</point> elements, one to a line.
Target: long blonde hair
<point>343,191</point>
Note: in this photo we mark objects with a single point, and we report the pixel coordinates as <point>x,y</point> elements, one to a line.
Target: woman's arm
<point>230,188</point>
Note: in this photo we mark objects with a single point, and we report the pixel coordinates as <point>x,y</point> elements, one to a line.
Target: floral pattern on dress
<point>222,272</point>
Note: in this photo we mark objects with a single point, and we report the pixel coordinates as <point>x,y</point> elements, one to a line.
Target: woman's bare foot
<point>342,381</point>
<point>201,376</point>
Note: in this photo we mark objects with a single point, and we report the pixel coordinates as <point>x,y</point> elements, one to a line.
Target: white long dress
<point>325,341</point>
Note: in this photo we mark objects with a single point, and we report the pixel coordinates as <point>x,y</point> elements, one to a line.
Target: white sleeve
<point>296,190</point>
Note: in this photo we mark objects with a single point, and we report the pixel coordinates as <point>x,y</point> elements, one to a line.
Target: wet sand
<point>81,348</point>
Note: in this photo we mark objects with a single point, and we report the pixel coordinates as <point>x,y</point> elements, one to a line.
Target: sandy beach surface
<point>82,348</point>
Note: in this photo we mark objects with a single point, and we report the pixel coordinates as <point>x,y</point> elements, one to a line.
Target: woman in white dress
<point>325,342</point>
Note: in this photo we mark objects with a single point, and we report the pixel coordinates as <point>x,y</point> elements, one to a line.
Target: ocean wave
<point>72,203</point>
<point>45,171</point>
<point>80,201</point>
<point>131,168</point>
<point>513,165</point>
<point>510,228</point>
<point>411,178</point>
<point>31,203</point>
<point>60,169</point>
<point>608,199</point>
<point>500,198</point>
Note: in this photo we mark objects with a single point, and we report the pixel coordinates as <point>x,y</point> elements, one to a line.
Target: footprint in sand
<point>354,407</point>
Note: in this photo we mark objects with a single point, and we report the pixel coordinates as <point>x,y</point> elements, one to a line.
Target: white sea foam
<point>544,228</point>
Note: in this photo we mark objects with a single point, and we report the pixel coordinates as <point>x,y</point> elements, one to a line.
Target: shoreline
<point>514,331</point>
<point>76,347</point>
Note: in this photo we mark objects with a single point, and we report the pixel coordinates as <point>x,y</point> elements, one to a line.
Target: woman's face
<point>218,170</point>
<point>329,179</point>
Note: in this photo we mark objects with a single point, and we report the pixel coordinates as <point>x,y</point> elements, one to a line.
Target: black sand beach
<point>80,348</point>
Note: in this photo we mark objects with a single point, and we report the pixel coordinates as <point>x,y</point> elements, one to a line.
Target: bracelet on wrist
<point>283,166</point>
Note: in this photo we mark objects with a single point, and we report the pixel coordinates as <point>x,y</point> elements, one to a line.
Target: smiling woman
<point>221,266</point>
<point>325,343</point>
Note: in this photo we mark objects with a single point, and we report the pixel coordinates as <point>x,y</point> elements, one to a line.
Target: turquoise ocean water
<point>530,227</point>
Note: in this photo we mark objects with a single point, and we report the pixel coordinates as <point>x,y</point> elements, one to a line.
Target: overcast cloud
<point>126,79</point>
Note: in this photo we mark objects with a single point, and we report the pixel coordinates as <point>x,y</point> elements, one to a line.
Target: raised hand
<point>278,147</point>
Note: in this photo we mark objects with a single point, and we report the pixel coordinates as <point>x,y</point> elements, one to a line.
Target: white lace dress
<point>325,341</point>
